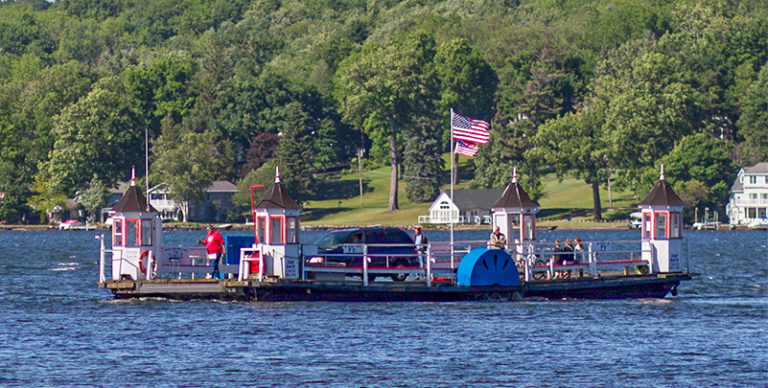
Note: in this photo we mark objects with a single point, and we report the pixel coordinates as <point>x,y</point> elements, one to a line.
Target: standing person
<point>498,241</point>
<point>578,250</point>
<point>557,258</point>
<point>568,249</point>
<point>214,244</point>
<point>420,240</point>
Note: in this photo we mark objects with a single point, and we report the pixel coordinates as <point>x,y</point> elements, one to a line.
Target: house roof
<point>214,187</point>
<point>221,187</point>
<point>760,168</point>
<point>737,186</point>
<point>475,199</point>
<point>515,197</point>
<point>133,201</point>
<point>277,197</point>
<point>662,195</point>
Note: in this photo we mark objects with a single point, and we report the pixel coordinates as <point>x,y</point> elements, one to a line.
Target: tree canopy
<point>225,87</point>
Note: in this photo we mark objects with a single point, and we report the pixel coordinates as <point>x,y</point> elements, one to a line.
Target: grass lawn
<point>566,203</point>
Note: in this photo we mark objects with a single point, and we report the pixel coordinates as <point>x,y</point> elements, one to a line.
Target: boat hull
<point>614,287</point>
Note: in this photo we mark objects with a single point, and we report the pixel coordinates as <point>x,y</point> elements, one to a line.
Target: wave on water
<point>655,301</point>
<point>63,269</point>
<point>68,266</point>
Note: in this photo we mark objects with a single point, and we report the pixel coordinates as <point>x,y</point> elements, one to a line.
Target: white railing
<point>341,263</point>
<point>536,261</point>
<point>248,256</point>
<point>750,202</point>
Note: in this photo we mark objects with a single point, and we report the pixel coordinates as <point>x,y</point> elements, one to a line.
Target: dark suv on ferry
<point>339,247</point>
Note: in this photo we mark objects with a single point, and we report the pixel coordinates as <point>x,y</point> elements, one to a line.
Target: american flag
<point>466,149</point>
<point>470,130</point>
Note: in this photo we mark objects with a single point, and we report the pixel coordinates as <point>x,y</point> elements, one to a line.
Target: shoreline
<point>238,226</point>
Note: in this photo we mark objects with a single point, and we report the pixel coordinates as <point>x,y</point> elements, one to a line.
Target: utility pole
<point>360,152</point>
<point>610,200</point>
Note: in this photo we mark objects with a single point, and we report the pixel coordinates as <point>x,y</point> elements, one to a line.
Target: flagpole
<point>450,214</point>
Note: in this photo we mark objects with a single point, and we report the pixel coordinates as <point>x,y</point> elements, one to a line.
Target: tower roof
<point>662,194</point>
<point>277,197</point>
<point>133,201</point>
<point>515,197</point>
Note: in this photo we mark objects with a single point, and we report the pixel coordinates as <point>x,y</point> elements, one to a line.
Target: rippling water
<point>58,329</point>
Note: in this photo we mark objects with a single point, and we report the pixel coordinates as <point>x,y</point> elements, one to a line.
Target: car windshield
<point>331,240</point>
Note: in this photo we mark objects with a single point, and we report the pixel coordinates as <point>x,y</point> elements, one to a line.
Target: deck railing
<point>535,261</point>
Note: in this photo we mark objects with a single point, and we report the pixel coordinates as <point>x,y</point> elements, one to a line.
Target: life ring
<point>142,268</point>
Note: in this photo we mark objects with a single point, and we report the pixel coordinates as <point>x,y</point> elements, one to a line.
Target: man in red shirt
<point>214,244</point>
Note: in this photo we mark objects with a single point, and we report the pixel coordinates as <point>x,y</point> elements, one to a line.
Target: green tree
<point>468,83</point>
<point>93,198</point>
<point>423,170</point>
<point>753,124</point>
<point>646,106</point>
<point>296,152</point>
<point>700,169</point>
<point>388,80</point>
<point>574,145</point>
<point>13,204</point>
<point>96,135</point>
<point>46,197</point>
<point>182,161</point>
<point>263,176</point>
<point>524,104</point>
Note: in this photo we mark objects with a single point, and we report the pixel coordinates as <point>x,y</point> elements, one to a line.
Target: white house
<point>749,196</point>
<point>468,206</point>
<point>213,207</point>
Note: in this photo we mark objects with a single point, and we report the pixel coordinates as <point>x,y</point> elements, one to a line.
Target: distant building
<point>468,206</point>
<point>215,205</point>
<point>749,196</point>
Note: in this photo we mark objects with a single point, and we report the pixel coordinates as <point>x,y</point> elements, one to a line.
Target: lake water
<point>59,329</point>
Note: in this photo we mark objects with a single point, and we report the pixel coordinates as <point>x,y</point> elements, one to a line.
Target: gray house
<point>214,207</point>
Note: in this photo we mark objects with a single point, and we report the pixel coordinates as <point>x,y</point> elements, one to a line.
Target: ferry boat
<point>274,265</point>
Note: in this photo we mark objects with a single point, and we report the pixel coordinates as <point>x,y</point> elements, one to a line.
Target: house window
<point>117,231</point>
<point>293,229</point>
<point>661,225</point>
<point>261,224</point>
<point>674,228</point>
<point>529,227</point>
<point>753,179</point>
<point>146,232</point>
<point>131,233</point>
<point>275,229</point>
<point>646,225</point>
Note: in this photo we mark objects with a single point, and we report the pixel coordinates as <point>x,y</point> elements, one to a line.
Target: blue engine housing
<point>487,267</point>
